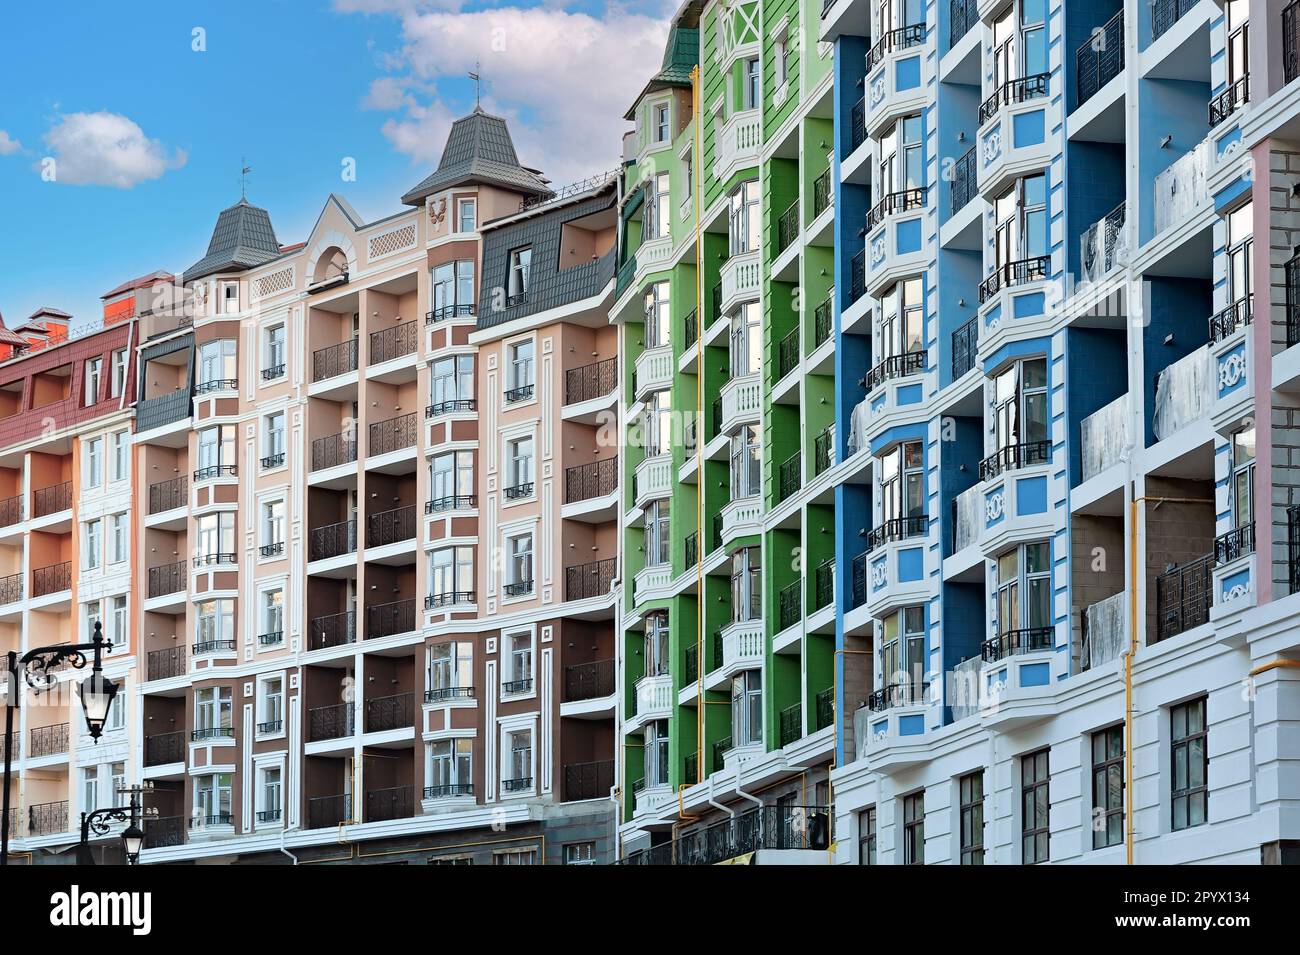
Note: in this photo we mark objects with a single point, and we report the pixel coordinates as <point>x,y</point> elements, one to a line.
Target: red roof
<point>144,281</point>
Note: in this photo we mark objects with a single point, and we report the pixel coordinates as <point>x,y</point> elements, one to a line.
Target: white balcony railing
<point>742,645</point>
<point>739,142</point>
<point>654,695</point>
<point>1183,393</point>
<point>654,478</point>
<point>741,277</point>
<point>1103,436</point>
<point>742,402</point>
<point>654,369</point>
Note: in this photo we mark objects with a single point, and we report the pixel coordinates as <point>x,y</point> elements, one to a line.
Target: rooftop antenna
<point>243,173</point>
<point>478,83</point>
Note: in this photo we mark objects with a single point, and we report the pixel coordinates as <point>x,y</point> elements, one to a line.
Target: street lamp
<point>100,821</point>
<point>132,843</point>
<point>38,668</point>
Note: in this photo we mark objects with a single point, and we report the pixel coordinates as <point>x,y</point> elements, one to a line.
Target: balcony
<point>968,518</point>
<point>893,203</point>
<point>897,695</point>
<point>160,833</point>
<point>215,384</point>
<point>449,791</point>
<point>742,277</point>
<point>332,540</point>
<point>590,382</point>
<point>1237,315</point>
<point>895,366</point>
<point>162,749</point>
<point>965,182</point>
<point>1182,393</point>
<point>787,227</point>
<point>332,630</point>
<point>1103,436</point>
<point>395,803</point>
<point>897,529</point>
<point>823,585</point>
<point>823,194</point>
<point>52,499</point>
<point>389,713</point>
<point>52,580</point>
<point>1015,457</point>
<point>1016,642</point>
<point>390,344</point>
<point>452,502</point>
<point>588,681</point>
<point>588,780</point>
<point>1011,92</point>
<point>443,694</point>
<point>11,589</point>
<point>824,451</point>
<point>965,346</point>
<point>589,581</point>
<point>274,372</point>
<point>331,722</point>
<point>790,724</point>
<point>898,39</point>
<point>787,354</point>
<point>1235,544</point>
<point>448,311</point>
<point>166,664</point>
<point>272,461</point>
<point>215,560</point>
<point>327,812</point>
<point>211,732</point>
<point>1165,13</point>
<point>457,405</point>
<point>1104,245</point>
<point>768,827</point>
<point>1011,274</point>
<point>391,527</point>
<point>11,511</point>
<point>1229,101</point>
<point>653,478</point>
<point>214,471</point>
<point>1182,188</point>
<point>962,15</point>
<point>392,434</point>
<point>47,740</point>
<point>168,495</point>
<point>653,370</point>
<point>334,361</point>
<point>654,696</point>
<point>857,275</point>
<point>518,588</point>
<point>738,143</point>
<point>47,818</point>
<point>521,393</point>
<point>790,476</point>
<point>1100,60</point>
<point>583,482</point>
<point>1104,631</point>
<point>822,322</point>
<point>390,619</point>
<point>742,646</point>
<point>450,598</point>
<point>741,402</point>
<point>162,410</point>
<point>167,579</point>
<point>789,605</point>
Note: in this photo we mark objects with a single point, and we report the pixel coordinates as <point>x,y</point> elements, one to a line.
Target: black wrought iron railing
<point>393,434</point>
<point>824,707</point>
<point>691,549</point>
<point>397,802</point>
<point>1230,100</point>
<point>272,461</point>
<point>1165,13</point>
<point>1099,60</point>
<point>271,638</point>
<point>895,366</point>
<point>331,722</point>
<point>518,588</point>
<point>897,529</point>
<point>212,732</point>
<point>11,510</point>
<point>167,495</point>
<point>52,580</point>
<point>11,588</point>
<point>962,15</point>
<point>445,312</point>
<point>519,393</point>
<point>822,322</point>
<point>165,664</point>
<point>592,780</point>
<point>333,450</point>
<point>389,344</point>
<point>448,598</point>
<point>335,360</point>
<point>213,471</point>
<point>391,526</point>
<point>767,827</point>
<point>1014,457</point>
<point>511,687</point>
<point>1237,315</point>
<point>442,694</point>
<point>588,681</point>
<point>326,812</point>
<point>1013,91</point>
<point>965,347</point>
<point>582,482</point>
<point>332,540</point>
<point>790,605</point>
<point>1015,642</point>
<point>517,492</point>
<point>439,408</point>
<point>790,476</point>
<point>47,818</point>
<point>858,581</point>
<point>893,203</point>
<point>1237,542</point>
<point>273,372</point>
<point>332,630</point>
<point>788,354</point>
<point>273,549</point>
<point>858,124</point>
<point>590,580</point>
<point>47,740</point>
<point>161,832</point>
<point>167,579</point>
<point>691,328</point>
<point>823,451</point>
<point>52,499</point>
<point>216,384</point>
<point>213,646</point>
<point>590,382</point>
<point>164,748</point>
<point>389,712</point>
<point>823,584</point>
<point>1011,274</point>
<point>900,38</point>
<point>823,193</point>
<point>391,618</point>
<point>965,185</point>
<point>858,275</point>
<point>790,723</point>
<point>787,227</point>
<point>896,694</point>
<point>451,502</point>
<point>449,791</point>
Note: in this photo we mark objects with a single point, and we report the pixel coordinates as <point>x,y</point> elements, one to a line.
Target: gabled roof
<point>243,238</point>
<point>681,55</point>
<point>479,149</point>
<point>144,281</point>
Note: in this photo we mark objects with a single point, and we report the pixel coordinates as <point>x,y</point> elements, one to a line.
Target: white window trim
<point>262,680</point>
<point>528,430</point>
<point>506,726</point>
<point>507,664</point>
<point>507,370</point>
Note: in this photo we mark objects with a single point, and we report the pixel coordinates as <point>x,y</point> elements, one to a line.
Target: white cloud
<point>387,93</point>
<point>8,146</point>
<point>563,79</point>
<point>106,149</point>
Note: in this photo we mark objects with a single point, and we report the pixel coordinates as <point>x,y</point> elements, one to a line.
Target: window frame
<point>1035,819</point>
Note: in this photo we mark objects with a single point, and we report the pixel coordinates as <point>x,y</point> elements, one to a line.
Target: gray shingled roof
<point>243,238</point>
<point>479,149</point>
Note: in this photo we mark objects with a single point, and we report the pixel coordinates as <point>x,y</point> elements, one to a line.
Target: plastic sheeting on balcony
<point>1104,437</point>
<point>1182,188</point>
<point>964,688</point>
<point>1105,628</point>
<point>968,517</point>
<point>859,418</point>
<point>1103,246</point>
<point>1182,393</point>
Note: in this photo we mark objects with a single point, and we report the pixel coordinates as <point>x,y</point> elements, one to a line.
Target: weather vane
<point>244,170</point>
<point>478,83</point>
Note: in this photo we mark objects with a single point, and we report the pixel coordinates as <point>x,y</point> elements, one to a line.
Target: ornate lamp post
<point>100,821</point>
<point>39,668</point>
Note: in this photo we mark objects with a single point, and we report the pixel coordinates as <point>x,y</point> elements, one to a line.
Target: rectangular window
<point>746,463</point>
<point>1108,787</point>
<point>902,482</point>
<point>451,384</point>
<point>117,383</point>
<point>657,433</point>
<point>116,538</point>
<point>272,523</point>
<point>746,585</point>
<point>450,669</point>
<point>656,644</point>
<point>1020,412</point>
<point>901,165</point>
<point>451,575</point>
<point>93,542</point>
<point>656,753</point>
<point>214,625</point>
<point>746,340</point>
<point>212,710</point>
<point>747,707</point>
<point>521,261</point>
<point>212,800</point>
<point>1024,597</point>
<point>519,458</point>
<point>466,215</point>
<point>452,289</point>
<point>971,792</point>
<point>744,219</point>
<point>451,480</point>
<point>521,657</point>
<point>273,440</point>
<point>902,656</point>
<point>216,537</point>
<point>1190,759</point>
<point>271,707</point>
<point>119,468</point>
<point>1035,806</point>
<point>914,829</point>
<point>519,550</point>
<point>216,451</point>
<point>867,836</point>
<point>580,853</point>
<point>519,753</point>
<point>90,788</point>
<point>657,315</point>
<point>116,626</point>
<point>521,365</point>
<point>271,790</point>
<point>451,767</point>
<point>657,219</point>
<point>1243,478</point>
<point>273,357</point>
<point>515,857</point>
<point>751,96</point>
<point>273,612</point>
<point>657,527</point>
<point>661,123</point>
<point>217,365</point>
<point>94,374</point>
<point>94,470</point>
<point>902,319</point>
<point>688,173</point>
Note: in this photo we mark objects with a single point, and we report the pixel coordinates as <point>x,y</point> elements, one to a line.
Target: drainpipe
<point>283,833</point>
<point>717,805</point>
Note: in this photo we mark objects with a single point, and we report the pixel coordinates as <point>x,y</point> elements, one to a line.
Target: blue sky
<point>147,133</point>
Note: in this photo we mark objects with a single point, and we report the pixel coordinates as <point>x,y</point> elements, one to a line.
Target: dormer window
<point>661,123</point>
<point>520,262</point>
